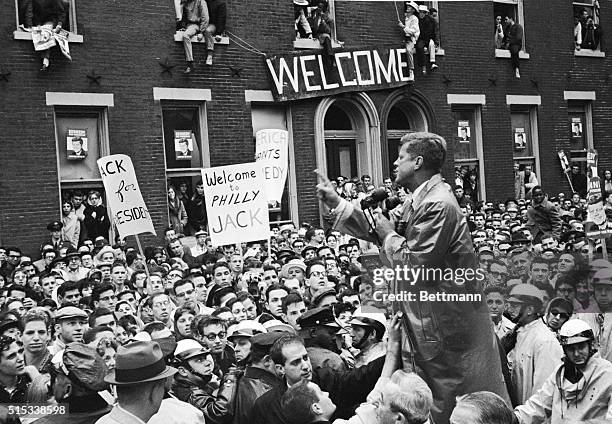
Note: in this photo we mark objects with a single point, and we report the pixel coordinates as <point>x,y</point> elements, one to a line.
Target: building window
<point>264,116</point>
<point>525,137</point>
<point>467,150</point>
<point>403,118</point>
<point>186,151</point>
<point>587,31</point>
<point>69,20</point>
<point>579,114</point>
<point>81,139</point>
<point>503,9</point>
<point>310,23</point>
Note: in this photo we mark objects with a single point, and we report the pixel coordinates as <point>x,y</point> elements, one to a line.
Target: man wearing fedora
<point>139,376</point>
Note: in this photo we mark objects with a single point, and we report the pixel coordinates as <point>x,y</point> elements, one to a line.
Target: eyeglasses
<point>212,336</point>
<point>496,274</point>
<point>14,256</point>
<point>318,273</point>
<point>162,304</point>
<point>563,315</point>
<point>185,293</point>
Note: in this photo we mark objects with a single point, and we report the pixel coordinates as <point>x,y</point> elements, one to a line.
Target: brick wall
<point>124,41</point>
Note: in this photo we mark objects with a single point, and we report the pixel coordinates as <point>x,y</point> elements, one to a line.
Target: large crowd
<point>293,329</point>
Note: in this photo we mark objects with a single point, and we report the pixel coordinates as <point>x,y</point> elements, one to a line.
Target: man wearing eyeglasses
<point>161,308</point>
<point>12,261</point>
<point>212,333</point>
<point>184,291</point>
<point>103,296</point>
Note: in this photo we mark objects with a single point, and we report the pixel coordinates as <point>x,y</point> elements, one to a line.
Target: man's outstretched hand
<point>326,191</point>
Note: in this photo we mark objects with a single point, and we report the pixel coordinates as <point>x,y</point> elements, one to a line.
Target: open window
<point>501,10</point>
<point>69,20</point>
<point>580,125</point>
<point>312,17</point>
<point>588,33</point>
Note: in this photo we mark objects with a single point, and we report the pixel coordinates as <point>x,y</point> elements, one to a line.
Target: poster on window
<point>271,151</point>
<point>183,144</point>
<point>576,128</point>
<point>520,142</point>
<point>76,144</point>
<point>463,131</point>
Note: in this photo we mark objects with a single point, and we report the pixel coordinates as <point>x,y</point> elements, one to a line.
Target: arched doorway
<point>347,137</point>
<point>401,115</point>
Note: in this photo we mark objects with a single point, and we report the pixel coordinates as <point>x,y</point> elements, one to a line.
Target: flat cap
<point>320,294</point>
<point>84,366</point>
<point>66,312</point>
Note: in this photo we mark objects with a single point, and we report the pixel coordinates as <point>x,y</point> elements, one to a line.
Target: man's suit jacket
<point>451,344</point>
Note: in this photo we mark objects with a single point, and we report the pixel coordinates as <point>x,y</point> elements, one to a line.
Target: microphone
<point>374,198</point>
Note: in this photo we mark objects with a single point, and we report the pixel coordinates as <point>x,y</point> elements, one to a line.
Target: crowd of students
<point>293,331</point>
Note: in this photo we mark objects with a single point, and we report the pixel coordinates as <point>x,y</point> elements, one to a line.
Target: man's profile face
<point>405,166</point>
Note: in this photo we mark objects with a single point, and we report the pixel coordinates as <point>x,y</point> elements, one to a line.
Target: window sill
<point>178,36</point>
<point>24,35</point>
<point>589,53</point>
<point>313,44</point>
<point>505,54</point>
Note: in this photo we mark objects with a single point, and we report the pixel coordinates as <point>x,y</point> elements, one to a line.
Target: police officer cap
<point>318,316</point>
<point>264,341</point>
<point>55,226</point>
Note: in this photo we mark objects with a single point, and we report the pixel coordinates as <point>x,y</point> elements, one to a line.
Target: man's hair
<point>538,260</point>
<point>290,299</point>
<point>99,312</point>
<point>182,282</point>
<point>311,264</point>
<point>154,326</point>
<point>220,264</point>
<point>276,351</point>
<point>489,407</point>
<point>90,335</point>
<point>98,290</point>
<point>78,140</point>
<point>297,403</point>
<point>16,287</point>
<point>430,146</point>
<point>413,398</point>
<point>118,263</point>
<point>309,234</point>
<point>346,293</point>
<point>495,289</point>
<point>275,287</point>
<point>151,299</point>
<point>66,287</point>
<point>202,321</point>
<point>31,316</point>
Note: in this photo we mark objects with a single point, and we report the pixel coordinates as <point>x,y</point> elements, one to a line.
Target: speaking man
<point>451,339</point>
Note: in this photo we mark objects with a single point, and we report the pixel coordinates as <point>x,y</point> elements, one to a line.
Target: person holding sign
<point>48,14</point>
<point>445,341</point>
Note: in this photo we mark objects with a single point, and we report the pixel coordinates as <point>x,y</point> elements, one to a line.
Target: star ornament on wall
<point>236,71</point>
<point>167,67</point>
<point>446,80</point>
<point>93,77</point>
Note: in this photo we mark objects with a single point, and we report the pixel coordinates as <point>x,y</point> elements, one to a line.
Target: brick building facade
<point>138,101</point>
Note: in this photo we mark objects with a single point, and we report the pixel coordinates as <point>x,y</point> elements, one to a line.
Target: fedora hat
<point>413,5</point>
<point>139,362</point>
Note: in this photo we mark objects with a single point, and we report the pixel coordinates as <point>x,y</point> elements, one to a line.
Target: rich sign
<point>306,74</point>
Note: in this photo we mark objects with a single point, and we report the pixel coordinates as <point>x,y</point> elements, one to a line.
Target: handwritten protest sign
<point>271,151</point>
<point>235,203</point>
<point>129,212</point>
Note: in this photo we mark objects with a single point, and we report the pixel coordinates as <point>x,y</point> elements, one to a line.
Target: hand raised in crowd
<point>326,191</point>
<point>395,329</point>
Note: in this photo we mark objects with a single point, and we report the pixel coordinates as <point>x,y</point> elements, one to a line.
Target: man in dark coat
<point>446,340</point>
<point>258,378</point>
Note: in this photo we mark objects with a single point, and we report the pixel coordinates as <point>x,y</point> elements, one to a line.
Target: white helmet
<point>372,319</point>
<point>575,331</point>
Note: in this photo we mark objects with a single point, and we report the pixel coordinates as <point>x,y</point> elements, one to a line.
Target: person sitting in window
<point>49,14</point>
<point>577,32</point>
<point>194,18</point>
<point>591,35</point>
<point>217,12</point>
<point>321,24</point>
<point>515,43</point>
<point>499,32</point>
<point>302,27</point>
<point>427,38</point>
<point>411,33</point>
